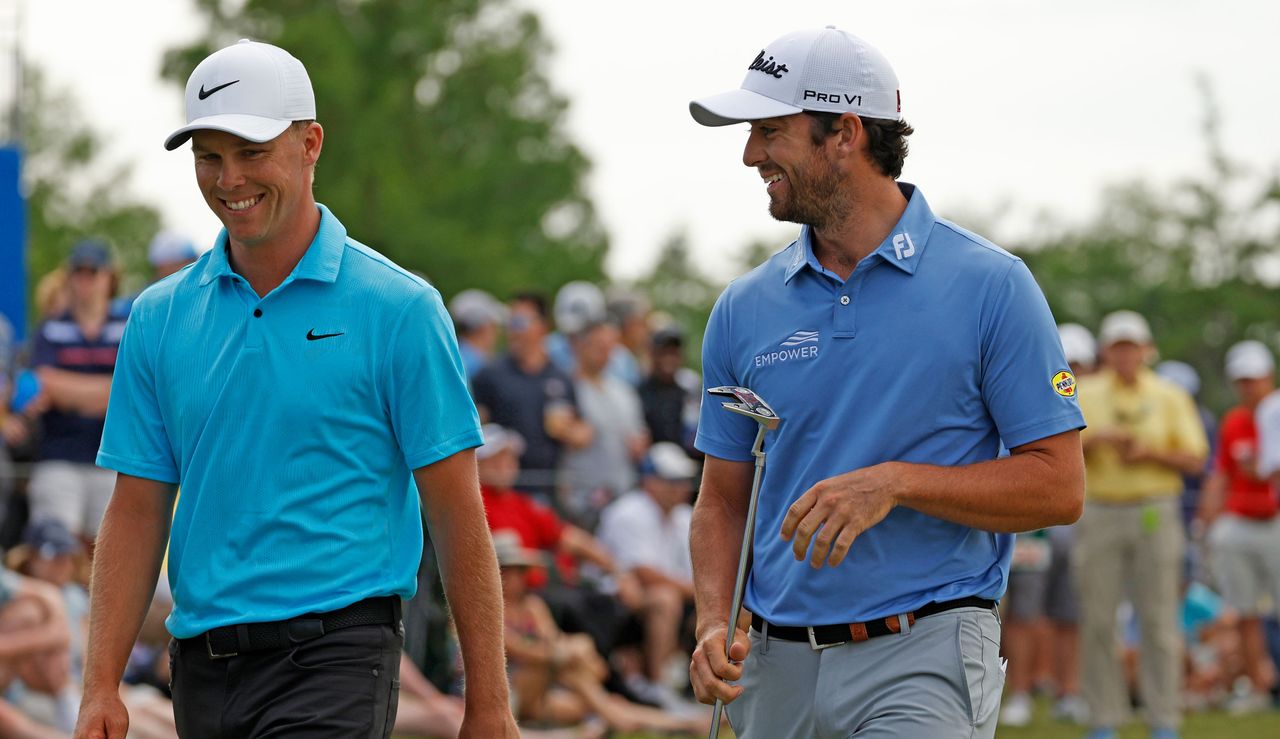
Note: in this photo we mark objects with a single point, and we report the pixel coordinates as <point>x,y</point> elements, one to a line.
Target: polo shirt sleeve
<point>720,433</point>
<point>426,396</point>
<point>1021,358</point>
<point>134,440</point>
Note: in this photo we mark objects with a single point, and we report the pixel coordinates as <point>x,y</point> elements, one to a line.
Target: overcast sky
<point>1019,105</point>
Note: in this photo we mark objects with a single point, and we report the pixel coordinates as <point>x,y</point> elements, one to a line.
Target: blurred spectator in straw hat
<point>1239,509</point>
<point>1143,435</point>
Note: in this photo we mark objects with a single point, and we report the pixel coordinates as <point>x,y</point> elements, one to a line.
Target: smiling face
<point>801,177</point>
<point>260,192</point>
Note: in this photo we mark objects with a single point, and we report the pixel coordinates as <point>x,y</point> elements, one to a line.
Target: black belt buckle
<point>813,641</point>
<point>208,642</point>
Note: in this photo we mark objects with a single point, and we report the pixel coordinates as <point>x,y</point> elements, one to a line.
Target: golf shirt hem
<point>444,450</point>
<point>135,468</point>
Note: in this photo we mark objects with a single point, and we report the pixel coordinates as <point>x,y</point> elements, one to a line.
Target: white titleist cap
<point>1249,360</point>
<point>250,89</point>
<point>826,70</point>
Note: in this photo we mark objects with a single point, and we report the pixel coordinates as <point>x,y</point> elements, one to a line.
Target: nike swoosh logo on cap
<point>206,93</point>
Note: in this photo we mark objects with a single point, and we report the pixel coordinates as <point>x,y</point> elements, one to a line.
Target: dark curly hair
<point>887,140</point>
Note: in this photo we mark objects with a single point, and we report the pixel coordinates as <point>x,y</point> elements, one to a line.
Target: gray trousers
<point>941,679</point>
<point>1135,547</point>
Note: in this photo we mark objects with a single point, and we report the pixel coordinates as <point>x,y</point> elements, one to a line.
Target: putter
<point>744,403</point>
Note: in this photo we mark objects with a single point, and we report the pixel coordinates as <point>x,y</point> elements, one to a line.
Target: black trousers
<point>342,685</point>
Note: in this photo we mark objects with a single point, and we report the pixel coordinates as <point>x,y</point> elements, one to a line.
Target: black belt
<point>832,635</point>
<point>229,641</point>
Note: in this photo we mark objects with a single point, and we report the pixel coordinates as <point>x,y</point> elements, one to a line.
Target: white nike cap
<point>826,70</point>
<point>250,89</point>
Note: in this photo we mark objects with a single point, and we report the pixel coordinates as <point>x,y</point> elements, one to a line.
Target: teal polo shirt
<point>292,423</point>
<point>939,347</point>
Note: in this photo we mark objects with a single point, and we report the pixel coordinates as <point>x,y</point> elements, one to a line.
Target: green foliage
<point>444,143</point>
<point>677,287</point>
<point>1197,258</point>
<point>70,194</point>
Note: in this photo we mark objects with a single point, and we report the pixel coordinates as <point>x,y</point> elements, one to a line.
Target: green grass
<point>1208,725</point>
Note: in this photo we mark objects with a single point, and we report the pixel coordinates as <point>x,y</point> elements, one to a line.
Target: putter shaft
<point>757,450</point>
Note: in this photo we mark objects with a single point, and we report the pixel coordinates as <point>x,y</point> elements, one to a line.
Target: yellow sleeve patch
<point>1064,384</point>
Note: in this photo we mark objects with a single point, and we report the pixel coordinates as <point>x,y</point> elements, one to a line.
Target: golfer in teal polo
<point>296,384</point>
<point>903,354</point>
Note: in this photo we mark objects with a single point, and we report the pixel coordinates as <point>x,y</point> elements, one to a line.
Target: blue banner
<point>13,242</point>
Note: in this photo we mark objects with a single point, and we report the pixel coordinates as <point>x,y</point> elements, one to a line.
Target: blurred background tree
<point>1198,258</point>
<point>71,193</point>
<point>445,145</point>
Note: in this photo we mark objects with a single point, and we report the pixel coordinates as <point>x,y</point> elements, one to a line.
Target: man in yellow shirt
<point>1143,435</point>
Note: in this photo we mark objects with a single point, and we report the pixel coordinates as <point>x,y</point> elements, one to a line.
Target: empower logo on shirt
<point>799,345</point>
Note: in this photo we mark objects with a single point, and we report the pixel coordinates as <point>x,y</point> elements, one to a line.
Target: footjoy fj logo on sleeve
<point>800,345</point>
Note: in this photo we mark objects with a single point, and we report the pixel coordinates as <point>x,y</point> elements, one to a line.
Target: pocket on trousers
<point>978,644</point>
<point>355,650</point>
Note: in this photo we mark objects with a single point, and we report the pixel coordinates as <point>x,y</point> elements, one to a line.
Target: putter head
<point>747,403</point>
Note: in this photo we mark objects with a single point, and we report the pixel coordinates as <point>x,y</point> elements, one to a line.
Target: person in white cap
<point>899,350</point>
<point>1144,434</point>
<point>297,385</point>
<point>1239,509</point>
<point>647,530</point>
<point>478,317</point>
<point>169,252</point>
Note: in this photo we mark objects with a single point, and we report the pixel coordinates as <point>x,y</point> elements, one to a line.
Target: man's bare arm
<point>130,550</point>
<point>81,392</point>
<point>53,631</point>
<point>451,496</point>
<point>715,538</point>
<point>1039,484</point>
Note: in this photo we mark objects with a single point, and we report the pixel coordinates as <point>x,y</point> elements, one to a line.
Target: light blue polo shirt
<point>937,348</point>
<point>292,423</point>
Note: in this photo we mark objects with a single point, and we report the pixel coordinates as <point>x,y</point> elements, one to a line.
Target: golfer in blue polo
<point>296,384</point>
<point>904,355</point>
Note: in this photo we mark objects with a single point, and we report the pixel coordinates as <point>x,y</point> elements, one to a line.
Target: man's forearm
<point>130,549</point>
<point>84,393</point>
<point>470,572</point>
<point>1041,484</point>
<point>715,537</point>
<point>469,568</point>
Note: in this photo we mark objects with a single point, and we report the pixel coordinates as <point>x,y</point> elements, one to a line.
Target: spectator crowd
<point>1162,598</point>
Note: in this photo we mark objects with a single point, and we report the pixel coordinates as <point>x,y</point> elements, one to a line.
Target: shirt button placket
<point>845,310</point>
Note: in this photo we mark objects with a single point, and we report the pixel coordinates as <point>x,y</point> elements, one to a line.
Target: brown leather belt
<point>830,635</point>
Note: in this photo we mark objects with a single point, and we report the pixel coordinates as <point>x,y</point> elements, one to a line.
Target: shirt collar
<point>321,261</point>
<point>903,247</point>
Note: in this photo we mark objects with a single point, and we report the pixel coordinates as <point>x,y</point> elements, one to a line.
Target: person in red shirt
<point>577,606</point>
<point>1239,508</point>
